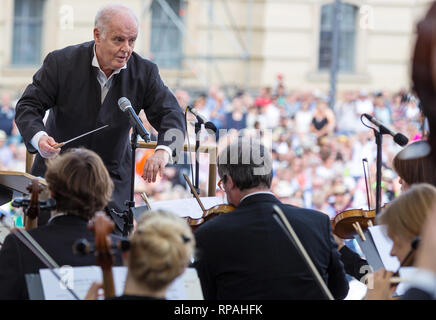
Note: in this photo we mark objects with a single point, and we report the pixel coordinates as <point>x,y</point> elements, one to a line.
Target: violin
<point>345,223</point>
<point>102,226</point>
<point>208,214</point>
<point>32,212</point>
<point>348,223</point>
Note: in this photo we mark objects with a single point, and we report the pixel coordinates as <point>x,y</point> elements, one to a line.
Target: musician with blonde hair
<point>404,219</point>
<point>160,250</point>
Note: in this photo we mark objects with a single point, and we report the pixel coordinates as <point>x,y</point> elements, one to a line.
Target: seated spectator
<point>264,97</point>
<point>237,117</point>
<point>6,154</point>
<point>303,118</point>
<point>7,114</point>
<point>323,120</point>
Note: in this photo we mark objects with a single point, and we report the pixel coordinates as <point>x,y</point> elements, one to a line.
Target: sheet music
<point>384,245</point>
<point>187,207</point>
<point>185,287</point>
<point>79,279</point>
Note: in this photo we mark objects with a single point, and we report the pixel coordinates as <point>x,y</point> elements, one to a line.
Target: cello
<point>32,212</point>
<point>102,227</point>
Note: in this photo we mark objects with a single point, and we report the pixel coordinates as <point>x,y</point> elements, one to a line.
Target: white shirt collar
<point>56,216</point>
<point>254,193</point>
<point>97,65</point>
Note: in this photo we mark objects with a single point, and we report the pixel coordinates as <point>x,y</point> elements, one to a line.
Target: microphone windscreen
<point>415,242</point>
<point>123,103</point>
<point>210,125</point>
<point>401,139</point>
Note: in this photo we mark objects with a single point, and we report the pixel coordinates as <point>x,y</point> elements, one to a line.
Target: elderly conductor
<point>81,85</point>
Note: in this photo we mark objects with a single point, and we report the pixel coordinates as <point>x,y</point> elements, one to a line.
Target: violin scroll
<point>32,212</point>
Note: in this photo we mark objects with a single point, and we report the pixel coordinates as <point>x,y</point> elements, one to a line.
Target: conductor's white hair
<point>105,14</point>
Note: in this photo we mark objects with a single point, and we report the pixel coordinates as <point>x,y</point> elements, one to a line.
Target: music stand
<point>14,184</point>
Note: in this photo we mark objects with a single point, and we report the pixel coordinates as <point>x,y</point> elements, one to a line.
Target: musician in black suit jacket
<point>79,193</point>
<point>81,85</point>
<point>244,254</point>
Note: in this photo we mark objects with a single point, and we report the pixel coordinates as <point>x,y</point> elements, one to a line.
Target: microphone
<point>125,105</point>
<point>399,138</point>
<point>201,119</point>
<point>83,246</point>
<point>415,243</point>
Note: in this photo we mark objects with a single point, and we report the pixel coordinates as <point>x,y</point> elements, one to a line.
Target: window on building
<point>347,37</point>
<point>166,38</point>
<point>27,34</point>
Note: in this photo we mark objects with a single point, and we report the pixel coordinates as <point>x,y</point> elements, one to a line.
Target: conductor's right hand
<point>46,149</point>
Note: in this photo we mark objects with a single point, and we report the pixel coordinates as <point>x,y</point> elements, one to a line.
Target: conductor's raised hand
<point>46,147</point>
<point>155,164</point>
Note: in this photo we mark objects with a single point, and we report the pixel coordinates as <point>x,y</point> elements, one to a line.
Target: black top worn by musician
<point>67,85</point>
<point>354,265</point>
<point>57,239</point>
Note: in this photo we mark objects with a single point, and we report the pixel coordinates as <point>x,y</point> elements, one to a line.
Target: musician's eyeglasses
<point>220,184</point>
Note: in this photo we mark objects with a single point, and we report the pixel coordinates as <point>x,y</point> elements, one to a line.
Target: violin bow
<point>39,252</point>
<point>366,182</point>
<point>194,192</point>
<point>280,217</point>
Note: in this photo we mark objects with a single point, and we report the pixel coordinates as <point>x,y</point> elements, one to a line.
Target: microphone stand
<point>379,142</point>
<point>197,157</point>
<point>128,214</point>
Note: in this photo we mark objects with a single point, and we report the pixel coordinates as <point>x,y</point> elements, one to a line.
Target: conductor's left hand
<point>154,164</point>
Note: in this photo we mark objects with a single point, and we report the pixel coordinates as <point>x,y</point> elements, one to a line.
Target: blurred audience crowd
<point>321,154</point>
